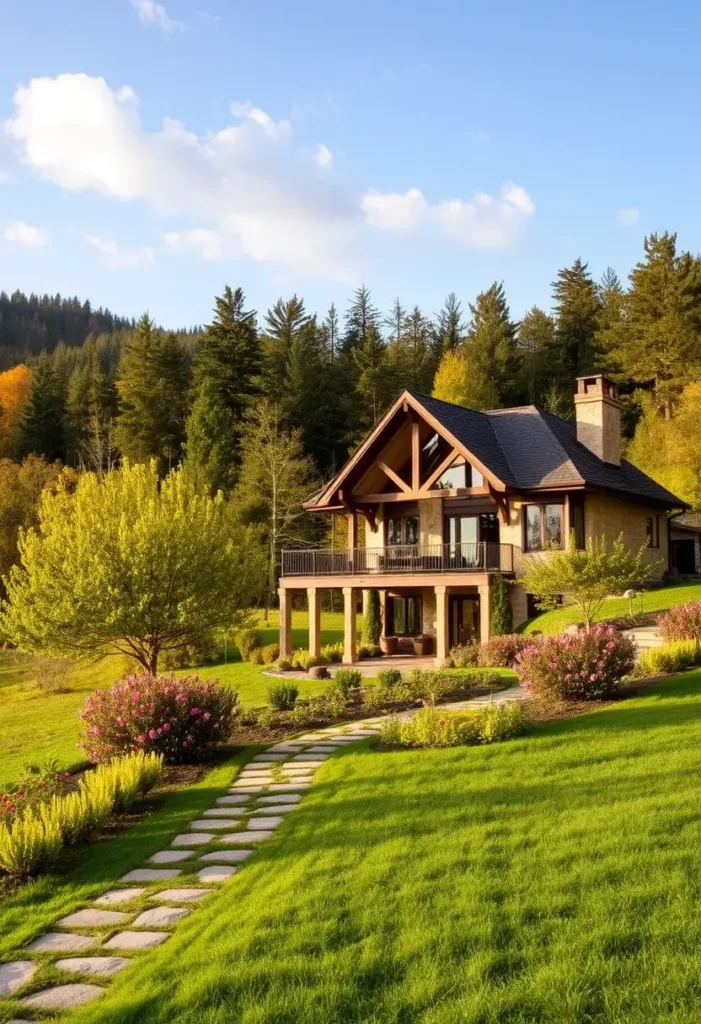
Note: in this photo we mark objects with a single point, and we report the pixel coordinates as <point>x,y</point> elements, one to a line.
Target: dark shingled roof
<point>529,449</point>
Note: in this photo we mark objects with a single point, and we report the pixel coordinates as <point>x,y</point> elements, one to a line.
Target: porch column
<point>442,630</point>
<point>285,621</point>
<point>350,651</point>
<point>485,613</point>
<point>314,607</point>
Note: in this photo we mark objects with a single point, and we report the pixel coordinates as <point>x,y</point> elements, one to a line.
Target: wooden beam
<point>447,461</point>
<point>415,453</point>
<point>394,477</point>
<point>352,520</point>
<point>370,514</point>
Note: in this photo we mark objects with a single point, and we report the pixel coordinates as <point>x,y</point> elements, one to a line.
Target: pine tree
<point>372,623</point>
<point>449,331</point>
<point>577,309</point>
<point>534,344</point>
<point>330,333</point>
<point>284,322</point>
<point>41,430</point>
<point>227,373</point>
<point>395,321</point>
<point>360,316</point>
<point>491,349</point>
<point>371,389</point>
<point>611,335</point>
<point>663,343</point>
<point>410,355</point>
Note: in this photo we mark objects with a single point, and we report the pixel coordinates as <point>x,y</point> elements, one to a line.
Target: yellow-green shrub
<point>29,844</point>
<point>670,657</point>
<point>434,727</point>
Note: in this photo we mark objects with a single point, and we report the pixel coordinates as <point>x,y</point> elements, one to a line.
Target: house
<point>685,545</point>
<point>446,497</point>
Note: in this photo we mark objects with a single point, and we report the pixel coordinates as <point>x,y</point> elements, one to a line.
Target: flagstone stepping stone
<point>151,875</point>
<point>222,812</point>
<point>281,787</point>
<point>216,874</point>
<point>310,760</point>
<point>226,856</point>
<point>160,917</point>
<point>216,824</point>
<point>120,895</point>
<point>233,800</point>
<point>257,778</point>
<point>275,809</point>
<point>193,839</point>
<point>93,918</point>
<point>289,798</point>
<point>269,757</point>
<point>57,942</point>
<point>169,856</point>
<point>63,997</point>
<point>16,974</point>
<point>342,741</point>
<point>321,748</point>
<point>242,788</point>
<point>136,940</point>
<point>103,965</point>
<point>263,823</point>
<point>247,837</point>
<point>286,748</point>
<point>180,895</point>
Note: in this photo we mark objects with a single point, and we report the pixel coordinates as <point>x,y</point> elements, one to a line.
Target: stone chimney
<point>598,414</point>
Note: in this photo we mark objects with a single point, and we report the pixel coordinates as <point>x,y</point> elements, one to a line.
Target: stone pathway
<point>146,904</point>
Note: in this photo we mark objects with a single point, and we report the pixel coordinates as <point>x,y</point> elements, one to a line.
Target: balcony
<point>404,560</point>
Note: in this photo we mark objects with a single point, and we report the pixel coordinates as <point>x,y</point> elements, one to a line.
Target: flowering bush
<point>433,727</point>
<point>502,651</point>
<point>583,666</point>
<point>681,623</point>
<point>34,788</point>
<point>178,718</point>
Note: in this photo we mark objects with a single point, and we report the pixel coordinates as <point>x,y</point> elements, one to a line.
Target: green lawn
<point>38,726</point>
<point>555,879</point>
<point>652,601</point>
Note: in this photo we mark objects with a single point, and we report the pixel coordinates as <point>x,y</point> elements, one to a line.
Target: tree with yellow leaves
<point>14,391</point>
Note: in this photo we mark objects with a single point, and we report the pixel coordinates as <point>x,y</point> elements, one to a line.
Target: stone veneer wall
<point>431,521</point>
<point>609,517</point>
<point>428,604</point>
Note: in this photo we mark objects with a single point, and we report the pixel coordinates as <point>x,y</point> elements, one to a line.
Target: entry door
<point>683,556</point>
<point>464,614</point>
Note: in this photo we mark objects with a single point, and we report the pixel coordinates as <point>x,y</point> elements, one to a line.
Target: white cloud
<point>116,258</point>
<point>483,138</point>
<point>323,155</point>
<point>151,13</point>
<point>627,216</point>
<point>27,235</point>
<point>485,222</point>
<point>250,188</point>
<point>211,245</point>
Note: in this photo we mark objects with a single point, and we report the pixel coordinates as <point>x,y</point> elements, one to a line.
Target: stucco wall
<point>609,517</point>
<point>376,539</point>
<point>431,521</point>
<point>428,604</point>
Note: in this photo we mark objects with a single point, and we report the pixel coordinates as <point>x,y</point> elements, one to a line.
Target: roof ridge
<point>453,405</point>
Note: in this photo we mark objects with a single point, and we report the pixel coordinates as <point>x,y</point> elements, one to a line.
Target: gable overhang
<point>334,497</point>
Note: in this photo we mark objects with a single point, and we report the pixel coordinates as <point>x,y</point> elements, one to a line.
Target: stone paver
<point>226,856</point>
<point>289,798</point>
<point>231,800</point>
<point>269,757</point>
<point>58,942</point>
<point>322,748</point>
<point>169,856</point>
<point>263,823</point>
<point>275,809</point>
<point>180,895</point>
<point>222,812</point>
<point>247,837</point>
<point>105,966</point>
<point>93,919</point>
<point>193,839</point>
<point>310,760</point>
<point>16,974</point>
<point>210,824</point>
<point>241,787</point>
<point>151,875</point>
<point>120,895</point>
<point>136,940</point>
<point>160,917</point>
<point>63,997</point>
<point>216,874</point>
<point>283,787</point>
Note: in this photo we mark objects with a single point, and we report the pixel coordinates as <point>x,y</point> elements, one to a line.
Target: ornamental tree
<point>587,577</point>
<point>130,565</point>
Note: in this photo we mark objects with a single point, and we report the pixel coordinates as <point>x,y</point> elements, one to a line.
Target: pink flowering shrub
<point>681,623</point>
<point>178,718</point>
<point>502,651</point>
<point>584,666</point>
<point>34,788</point>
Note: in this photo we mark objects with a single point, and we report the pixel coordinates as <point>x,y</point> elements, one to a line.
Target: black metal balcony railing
<point>400,558</point>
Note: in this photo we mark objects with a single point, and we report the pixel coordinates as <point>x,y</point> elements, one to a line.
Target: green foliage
<point>464,655</point>
<point>577,308</point>
<point>502,651</point>
<point>125,535</point>
<point>41,430</point>
<point>347,682</point>
<point>502,617</point>
<point>670,657</point>
<point>285,663</point>
<point>283,696</point>
<point>333,653</point>
<point>581,666</point>
<point>681,623</point>
<point>304,660</point>
<point>372,624</point>
<point>247,640</point>
<point>435,727</point>
<point>669,449</point>
<point>388,677</point>
<point>586,576</point>
<point>203,652</point>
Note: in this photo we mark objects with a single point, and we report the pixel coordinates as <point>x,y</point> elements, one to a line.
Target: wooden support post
<point>350,639</point>
<point>442,626</point>
<point>352,520</point>
<point>314,607</point>
<point>415,455</point>
<point>485,612</point>
<point>566,523</point>
<point>285,621</point>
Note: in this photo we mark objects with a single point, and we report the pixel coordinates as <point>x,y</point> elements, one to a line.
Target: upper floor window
<point>402,530</point>
<point>543,527</point>
<point>653,531</point>
<point>459,475</point>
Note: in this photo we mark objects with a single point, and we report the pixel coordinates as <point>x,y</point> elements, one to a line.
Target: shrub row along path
<point>140,912</point>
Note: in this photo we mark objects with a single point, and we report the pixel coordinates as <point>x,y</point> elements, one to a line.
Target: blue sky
<point>151,153</point>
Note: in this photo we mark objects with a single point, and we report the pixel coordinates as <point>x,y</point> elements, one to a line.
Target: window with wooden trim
<point>542,527</point>
<point>404,616</point>
<point>652,531</point>
<point>459,475</point>
<point>402,530</point>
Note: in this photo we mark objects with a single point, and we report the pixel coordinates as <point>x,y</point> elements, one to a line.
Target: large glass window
<point>406,616</point>
<point>402,530</point>
<point>459,475</point>
<point>543,527</point>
